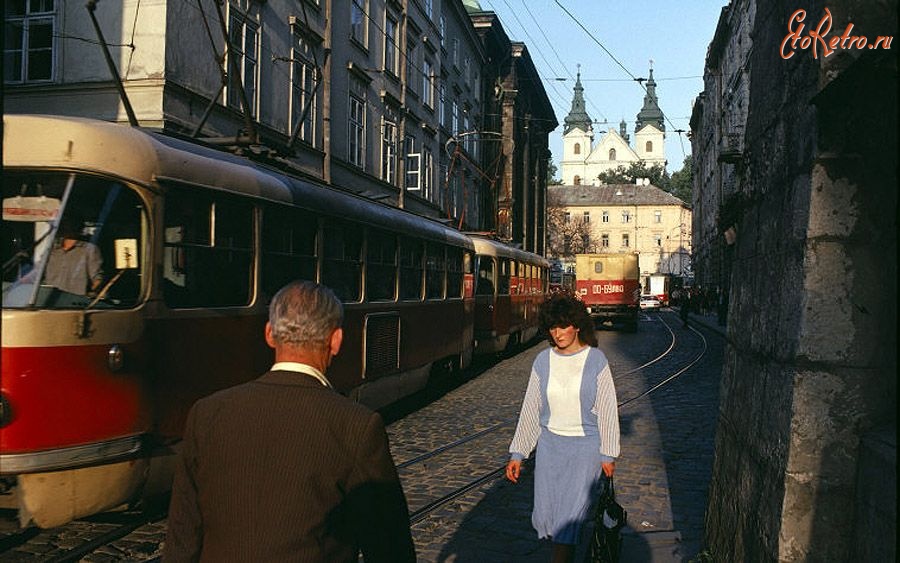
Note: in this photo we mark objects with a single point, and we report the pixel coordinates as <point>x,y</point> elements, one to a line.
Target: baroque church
<point>582,161</point>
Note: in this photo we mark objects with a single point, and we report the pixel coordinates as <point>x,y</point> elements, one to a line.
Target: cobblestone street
<point>661,476</point>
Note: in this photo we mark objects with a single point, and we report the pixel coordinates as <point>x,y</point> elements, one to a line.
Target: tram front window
<point>70,241</point>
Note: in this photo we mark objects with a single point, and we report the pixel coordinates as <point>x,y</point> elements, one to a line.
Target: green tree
<point>657,174</point>
<point>552,170</point>
<point>682,183</point>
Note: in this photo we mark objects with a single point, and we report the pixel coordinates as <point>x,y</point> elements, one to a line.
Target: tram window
<point>454,272</point>
<point>485,284</point>
<point>410,269</point>
<point>208,252</point>
<point>96,258</point>
<point>288,247</point>
<point>381,266</point>
<point>434,271</point>
<point>503,277</point>
<point>341,264</point>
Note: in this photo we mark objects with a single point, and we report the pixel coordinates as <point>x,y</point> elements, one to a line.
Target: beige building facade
<point>628,218</point>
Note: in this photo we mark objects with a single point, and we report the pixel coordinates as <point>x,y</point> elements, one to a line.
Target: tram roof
<point>148,157</point>
<point>491,247</point>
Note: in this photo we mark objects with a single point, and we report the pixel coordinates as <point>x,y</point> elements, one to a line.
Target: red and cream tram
<point>510,285</point>
<point>184,245</point>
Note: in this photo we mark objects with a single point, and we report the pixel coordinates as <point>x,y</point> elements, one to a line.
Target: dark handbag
<point>610,518</point>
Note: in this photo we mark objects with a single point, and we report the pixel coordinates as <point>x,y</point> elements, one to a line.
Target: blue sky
<point>674,34</point>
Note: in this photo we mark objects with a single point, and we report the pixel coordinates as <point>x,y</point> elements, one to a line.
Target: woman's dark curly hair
<point>562,310</point>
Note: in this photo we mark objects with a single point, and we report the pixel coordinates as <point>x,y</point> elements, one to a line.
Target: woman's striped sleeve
<point>528,428</point>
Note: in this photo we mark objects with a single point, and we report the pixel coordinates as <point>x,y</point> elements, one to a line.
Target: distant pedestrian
<point>685,310</point>
<point>570,415</point>
<point>284,468</point>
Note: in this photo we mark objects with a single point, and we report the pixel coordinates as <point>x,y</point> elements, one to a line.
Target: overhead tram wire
<point>559,58</point>
<point>552,82</point>
<point>622,66</point>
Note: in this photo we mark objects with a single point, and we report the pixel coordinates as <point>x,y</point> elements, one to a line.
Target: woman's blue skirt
<point>567,471</point>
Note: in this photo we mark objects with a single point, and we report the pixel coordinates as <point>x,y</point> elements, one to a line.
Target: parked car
<point>650,302</point>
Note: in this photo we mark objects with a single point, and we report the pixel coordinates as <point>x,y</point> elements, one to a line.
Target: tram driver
<point>75,265</point>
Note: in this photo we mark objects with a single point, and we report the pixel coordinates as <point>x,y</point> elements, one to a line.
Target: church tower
<point>650,127</point>
<point>578,136</point>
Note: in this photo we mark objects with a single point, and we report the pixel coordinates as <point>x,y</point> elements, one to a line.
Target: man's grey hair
<point>304,314</point>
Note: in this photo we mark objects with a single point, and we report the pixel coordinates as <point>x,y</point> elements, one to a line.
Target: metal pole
<point>132,118</point>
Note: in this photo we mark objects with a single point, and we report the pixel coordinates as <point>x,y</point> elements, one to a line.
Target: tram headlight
<point>5,412</point>
<point>115,358</point>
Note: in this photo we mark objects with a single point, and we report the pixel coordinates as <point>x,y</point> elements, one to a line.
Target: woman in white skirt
<point>570,414</point>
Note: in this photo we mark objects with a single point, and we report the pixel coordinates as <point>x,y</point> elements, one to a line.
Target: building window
<point>605,217</point>
<point>577,180</point>
<point>389,148</point>
<point>356,140</point>
<point>243,35</point>
<point>625,240</point>
<point>626,216</point>
<point>454,53</point>
<point>454,121</point>
<point>567,217</point>
<point>657,238</point>
<point>649,146</point>
<point>467,69</point>
<point>411,77</point>
<point>413,165</point>
<point>391,40</point>
<point>586,217</point>
<point>604,240</point>
<point>442,28</point>
<point>657,216</point>
<point>303,89</point>
<point>427,173</point>
<point>28,47</point>
<point>442,110</point>
<point>577,148</point>
<point>359,31</point>
<point>612,154</point>
<point>428,8</point>
<point>427,83</point>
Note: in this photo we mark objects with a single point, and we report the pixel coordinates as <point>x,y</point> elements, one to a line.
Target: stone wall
<point>810,365</point>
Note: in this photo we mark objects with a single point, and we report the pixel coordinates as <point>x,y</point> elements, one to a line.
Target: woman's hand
<point>513,469</point>
<point>608,468</point>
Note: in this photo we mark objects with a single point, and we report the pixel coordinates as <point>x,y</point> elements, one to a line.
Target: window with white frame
<point>427,173</point>
<point>359,30</point>
<point>356,139</point>
<point>413,165</point>
<point>586,218</point>
<point>626,240</point>
<point>626,216</point>
<point>427,83</point>
<point>28,47</point>
<point>391,43</point>
<point>657,216</point>
<point>243,34</point>
<point>389,146</point>
<point>454,53</point>
<point>442,28</point>
<point>303,87</point>
<point>567,217</point>
<point>428,8</point>
<point>657,239</point>
<point>605,217</point>
<point>604,240</point>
